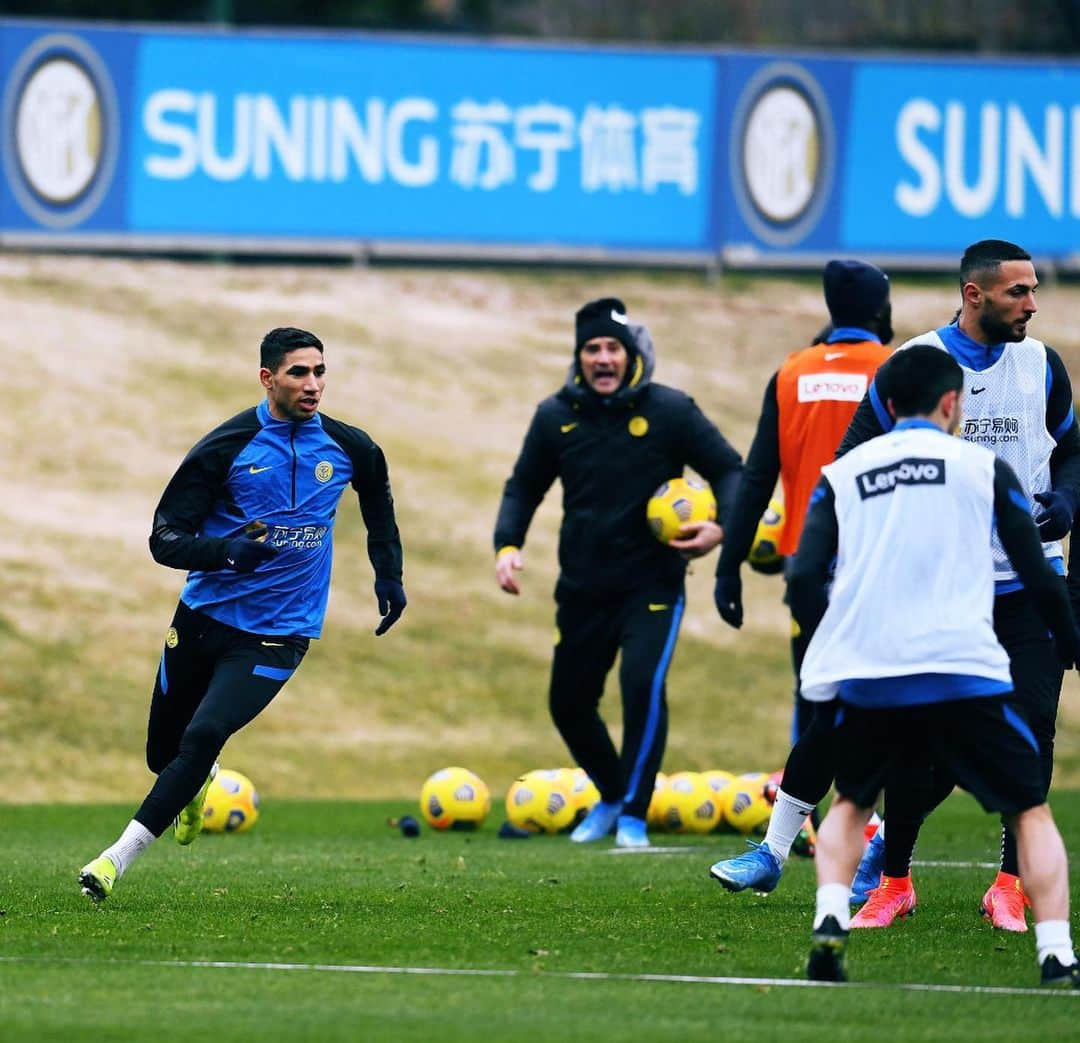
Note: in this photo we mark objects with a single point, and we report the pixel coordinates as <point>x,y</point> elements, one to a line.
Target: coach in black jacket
<point>613,438</point>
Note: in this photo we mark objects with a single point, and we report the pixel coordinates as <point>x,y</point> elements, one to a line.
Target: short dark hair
<point>919,376</point>
<point>280,341</point>
<point>986,256</point>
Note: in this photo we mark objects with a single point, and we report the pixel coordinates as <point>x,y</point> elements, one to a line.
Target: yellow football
<point>677,503</point>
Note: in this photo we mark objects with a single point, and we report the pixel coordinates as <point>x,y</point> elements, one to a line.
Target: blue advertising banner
<point>903,160</point>
<point>142,138</point>
<point>781,125</point>
<point>357,138</point>
<point>949,153</point>
<point>65,109</point>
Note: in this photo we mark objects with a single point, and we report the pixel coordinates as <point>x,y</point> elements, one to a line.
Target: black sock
<point>900,837</point>
<point>1009,860</point>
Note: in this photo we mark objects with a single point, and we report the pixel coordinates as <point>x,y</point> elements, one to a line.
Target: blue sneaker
<point>868,875</point>
<point>759,869</point>
<point>631,832</point>
<point>598,823</point>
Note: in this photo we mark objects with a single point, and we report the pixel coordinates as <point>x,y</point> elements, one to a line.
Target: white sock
<point>832,900</point>
<point>135,839</point>
<point>788,815</point>
<point>881,825</point>
<point>1052,938</point>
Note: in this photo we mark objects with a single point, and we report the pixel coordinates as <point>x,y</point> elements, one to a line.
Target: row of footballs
<point>552,800</point>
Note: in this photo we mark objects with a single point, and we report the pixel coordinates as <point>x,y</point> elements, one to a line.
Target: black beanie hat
<point>605,317</point>
<point>854,291</point>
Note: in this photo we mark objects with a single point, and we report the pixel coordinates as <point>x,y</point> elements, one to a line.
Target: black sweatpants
<point>643,626</point>
<point>1037,673</point>
<point>804,709</point>
<point>212,680</point>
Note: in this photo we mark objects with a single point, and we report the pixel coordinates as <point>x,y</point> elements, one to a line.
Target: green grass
<point>332,884</point>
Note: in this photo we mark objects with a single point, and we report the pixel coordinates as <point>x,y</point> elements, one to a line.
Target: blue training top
<point>290,476</point>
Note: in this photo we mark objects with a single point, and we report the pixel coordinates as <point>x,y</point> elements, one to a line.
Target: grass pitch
<point>133,360</point>
<point>324,923</point>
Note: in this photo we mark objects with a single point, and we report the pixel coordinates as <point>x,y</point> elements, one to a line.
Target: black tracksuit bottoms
<point>211,681</point>
<point>591,629</point>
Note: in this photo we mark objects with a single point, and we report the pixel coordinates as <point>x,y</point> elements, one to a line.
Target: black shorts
<point>984,743</point>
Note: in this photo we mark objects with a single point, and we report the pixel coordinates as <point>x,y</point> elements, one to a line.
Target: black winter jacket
<point>611,454</point>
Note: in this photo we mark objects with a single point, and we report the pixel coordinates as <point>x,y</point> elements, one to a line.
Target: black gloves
<point>728,597</point>
<point>1056,521</point>
<point>1068,648</point>
<point>243,554</point>
<point>392,601</point>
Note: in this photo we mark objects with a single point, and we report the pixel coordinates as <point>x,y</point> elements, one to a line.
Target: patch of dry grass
<point>121,365</point>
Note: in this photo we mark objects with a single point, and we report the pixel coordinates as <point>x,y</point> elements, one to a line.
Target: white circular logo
<point>781,153</point>
<point>58,130</point>
<point>61,130</point>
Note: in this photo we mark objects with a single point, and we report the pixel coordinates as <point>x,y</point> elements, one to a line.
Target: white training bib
<point>1004,410</point>
<point>914,586</point>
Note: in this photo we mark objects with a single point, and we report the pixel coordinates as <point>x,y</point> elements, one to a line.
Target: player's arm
<point>808,576</point>
<point>1020,538</point>
<point>192,491</point>
<point>537,466</point>
<point>1061,503</point>
<point>756,485</point>
<point>372,484</point>
<point>371,481</point>
<point>872,417</point>
<point>709,453</point>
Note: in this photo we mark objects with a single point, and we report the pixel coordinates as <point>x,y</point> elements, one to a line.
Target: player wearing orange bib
<point>808,405</point>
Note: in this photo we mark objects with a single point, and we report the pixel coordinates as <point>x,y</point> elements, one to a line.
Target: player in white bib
<point>905,641</point>
<point>1017,403</point>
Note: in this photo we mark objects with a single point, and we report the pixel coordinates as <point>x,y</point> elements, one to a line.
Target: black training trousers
<point>212,680</point>
<point>911,793</point>
<point>591,630</point>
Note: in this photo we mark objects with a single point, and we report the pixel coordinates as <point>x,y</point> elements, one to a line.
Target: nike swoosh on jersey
<point>259,470</point>
<point>830,355</point>
<point>565,428</point>
<point>978,391</point>
<point>653,607</point>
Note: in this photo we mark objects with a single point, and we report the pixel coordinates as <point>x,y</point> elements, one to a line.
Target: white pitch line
<point>480,972</point>
<point>660,850</point>
<point>958,865</point>
<point>651,850</point>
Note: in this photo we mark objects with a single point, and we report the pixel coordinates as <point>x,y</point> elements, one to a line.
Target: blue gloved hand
<point>728,598</point>
<point>1055,522</point>
<point>244,554</point>
<point>392,602</point>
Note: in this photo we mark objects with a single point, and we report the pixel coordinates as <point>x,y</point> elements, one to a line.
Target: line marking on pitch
<point>958,865</point>
<point>660,850</point>
<point>651,850</point>
<point>481,972</point>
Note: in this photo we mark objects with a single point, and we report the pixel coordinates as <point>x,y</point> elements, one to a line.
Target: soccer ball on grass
<point>455,798</point>
<point>687,804</point>
<point>541,802</point>
<point>746,808</point>
<point>232,803</point>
